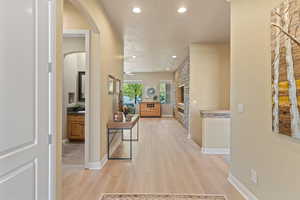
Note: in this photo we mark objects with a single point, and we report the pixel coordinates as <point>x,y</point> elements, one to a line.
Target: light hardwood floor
<point>73,154</point>
<point>165,161</point>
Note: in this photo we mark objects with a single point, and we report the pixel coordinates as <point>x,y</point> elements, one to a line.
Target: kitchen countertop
<point>76,112</point>
<point>215,113</point>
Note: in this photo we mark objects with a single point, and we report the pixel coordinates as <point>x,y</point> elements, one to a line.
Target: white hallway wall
<point>209,82</point>
<point>73,44</point>
<point>276,158</point>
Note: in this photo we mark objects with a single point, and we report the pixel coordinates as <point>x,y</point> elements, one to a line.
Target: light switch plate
<point>241,108</point>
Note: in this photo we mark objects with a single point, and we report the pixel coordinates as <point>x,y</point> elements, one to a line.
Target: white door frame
<point>84,34</point>
<point>52,100</point>
<point>53,97</point>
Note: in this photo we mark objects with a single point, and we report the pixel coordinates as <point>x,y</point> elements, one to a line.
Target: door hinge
<point>50,139</point>
<point>50,67</point>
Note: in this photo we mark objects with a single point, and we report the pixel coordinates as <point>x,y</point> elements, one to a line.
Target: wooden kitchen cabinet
<point>76,127</point>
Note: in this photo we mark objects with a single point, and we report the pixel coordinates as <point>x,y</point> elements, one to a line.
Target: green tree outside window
<point>133,90</point>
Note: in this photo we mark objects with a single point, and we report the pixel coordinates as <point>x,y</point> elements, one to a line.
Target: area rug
<point>161,197</point>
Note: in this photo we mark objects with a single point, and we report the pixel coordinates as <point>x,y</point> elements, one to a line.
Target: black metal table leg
<point>108,156</point>
<point>126,140</point>
<point>131,144</point>
<point>138,130</point>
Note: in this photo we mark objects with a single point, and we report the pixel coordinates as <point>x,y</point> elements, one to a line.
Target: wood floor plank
<point>165,161</point>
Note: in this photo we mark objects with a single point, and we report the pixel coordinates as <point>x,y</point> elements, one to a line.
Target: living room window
<point>132,95</point>
<point>165,88</point>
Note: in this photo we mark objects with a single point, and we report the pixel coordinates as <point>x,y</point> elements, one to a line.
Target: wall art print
<point>285,46</point>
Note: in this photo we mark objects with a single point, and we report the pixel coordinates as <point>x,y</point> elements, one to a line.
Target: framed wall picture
<point>117,86</point>
<point>285,51</point>
<point>111,84</point>
<point>81,86</point>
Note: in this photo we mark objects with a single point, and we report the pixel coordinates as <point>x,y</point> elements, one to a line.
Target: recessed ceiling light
<point>136,10</point>
<point>174,56</point>
<point>182,10</point>
<point>133,57</point>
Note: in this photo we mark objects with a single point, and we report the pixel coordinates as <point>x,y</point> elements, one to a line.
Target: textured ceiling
<point>160,32</point>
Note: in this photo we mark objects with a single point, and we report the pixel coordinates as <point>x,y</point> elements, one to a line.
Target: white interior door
<point>24,98</point>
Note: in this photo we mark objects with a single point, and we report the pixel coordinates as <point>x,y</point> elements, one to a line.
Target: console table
<point>124,125</point>
<point>150,109</point>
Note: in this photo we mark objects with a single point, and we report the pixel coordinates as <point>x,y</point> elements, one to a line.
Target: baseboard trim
<point>245,192</point>
<point>100,164</point>
<point>167,116</point>
<point>216,151</point>
<point>97,165</point>
<point>94,165</point>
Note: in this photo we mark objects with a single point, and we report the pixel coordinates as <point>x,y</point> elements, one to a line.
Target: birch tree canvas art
<point>285,46</point>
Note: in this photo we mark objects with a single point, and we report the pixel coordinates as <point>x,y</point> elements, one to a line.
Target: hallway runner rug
<point>126,196</point>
